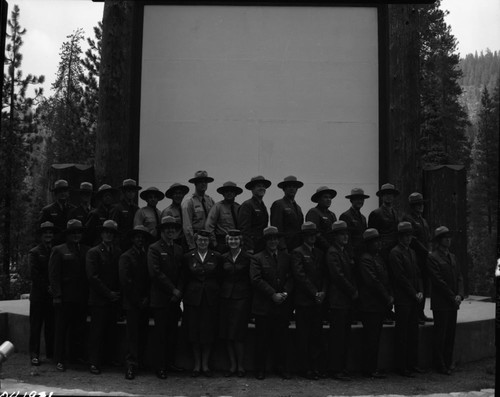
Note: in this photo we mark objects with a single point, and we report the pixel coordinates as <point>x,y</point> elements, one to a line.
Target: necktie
<point>295,208</point>
<point>275,257</point>
<point>204,206</point>
<point>233,214</point>
<point>157,217</point>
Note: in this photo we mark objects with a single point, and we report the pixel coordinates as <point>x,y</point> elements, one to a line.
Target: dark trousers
<point>340,333</point>
<point>309,324</point>
<point>137,335</point>
<point>70,320</point>
<point>103,331</point>
<point>41,314</point>
<point>372,329</point>
<point>426,283</point>
<point>165,334</point>
<point>445,323</point>
<point>406,336</point>
<point>271,334</point>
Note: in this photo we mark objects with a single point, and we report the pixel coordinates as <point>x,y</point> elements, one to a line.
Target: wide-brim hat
<point>229,186</point>
<point>103,189</point>
<point>201,176</point>
<point>255,180</point>
<point>290,181</point>
<point>152,190</point>
<point>339,227</point>
<point>86,188</point>
<point>74,226</point>
<point>405,228</point>
<point>387,188</point>
<point>371,234</point>
<point>168,221</point>
<point>322,190</point>
<point>48,226</point>
<point>271,231</point>
<point>308,228</point>
<point>140,229</point>
<point>130,184</point>
<point>416,198</point>
<point>440,232</point>
<point>357,192</point>
<point>108,225</point>
<point>60,185</point>
<point>174,187</point>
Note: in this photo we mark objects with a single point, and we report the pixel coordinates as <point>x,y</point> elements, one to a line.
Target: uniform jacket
<point>38,258</point>
<point>102,272</point>
<point>202,278</point>
<point>134,278</point>
<point>323,221</point>
<point>58,215</point>
<point>309,273</point>
<point>420,244</point>
<point>342,288</point>
<point>123,214</point>
<point>165,271</point>
<point>81,213</point>
<point>406,278</point>
<point>235,278</point>
<point>269,277</point>
<point>67,276</point>
<point>96,218</point>
<point>193,216</point>
<point>288,218</point>
<point>385,220</point>
<point>374,284</point>
<point>446,279</point>
<point>356,222</point>
<point>220,219</point>
<point>252,220</point>
<point>149,217</point>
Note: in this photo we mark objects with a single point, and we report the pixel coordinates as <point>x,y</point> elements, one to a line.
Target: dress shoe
<point>95,370</point>
<point>444,371</point>
<point>35,361</point>
<point>284,374</point>
<point>61,367</point>
<point>426,319</point>
<point>207,373</point>
<point>130,373</point>
<point>260,375</point>
<point>375,375</point>
<point>229,374</point>
<point>162,374</point>
<point>418,370</point>
<point>342,376</point>
<point>195,373</point>
<point>241,373</point>
<point>406,373</point>
<point>175,368</point>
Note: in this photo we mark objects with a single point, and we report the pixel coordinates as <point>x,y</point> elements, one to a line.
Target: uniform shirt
<point>323,219</point>
<point>220,218</point>
<point>123,214</point>
<point>149,217</point>
<point>287,216</point>
<point>374,284</point>
<point>38,259</point>
<point>309,273</point>
<point>356,222</point>
<point>420,244</point>
<point>81,213</point>
<point>193,216</point>
<point>407,281</point>
<point>252,220</point>
<point>385,220</point>
<point>173,210</point>
<point>342,286</point>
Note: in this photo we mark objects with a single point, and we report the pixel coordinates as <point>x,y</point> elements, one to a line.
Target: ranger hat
<point>357,192</point>
<point>130,184</point>
<point>234,233</point>
<point>60,185</point>
<point>74,226</point>
<point>201,176</point>
<point>290,181</point>
<point>322,190</point>
<point>308,228</point>
<point>108,225</point>
<point>339,227</point>
<point>202,233</point>
<point>151,190</point>
<point>140,229</point>
<point>48,226</point>
<point>387,188</point>
<point>440,232</point>
<point>405,228</point>
<point>416,198</point>
<point>370,234</point>
<point>103,189</point>
<point>86,187</point>
<point>229,186</point>
<point>257,179</point>
<point>271,231</point>
<point>168,221</point>
<point>174,187</point>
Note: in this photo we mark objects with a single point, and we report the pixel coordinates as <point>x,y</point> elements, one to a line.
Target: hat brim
<point>177,225</point>
<point>309,232</point>
<point>352,196</point>
<point>132,233</point>
<point>170,192</point>
<point>53,229</point>
<point>236,189</point>
<point>85,191</point>
<point>380,193</point>
<point>277,235</point>
<point>315,197</point>
<point>250,185</point>
<point>442,235</point>
<point>372,238</point>
<point>60,189</point>
<point>145,193</point>
<point>284,184</point>
<point>101,229</point>
<point>112,191</point>
<point>201,179</point>
<point>418,202</point>
<point>131,187</point>
<point>74,230</point>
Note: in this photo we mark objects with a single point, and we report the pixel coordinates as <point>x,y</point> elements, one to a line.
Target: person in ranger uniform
<point>150,215</point>
<point>447,293</point>
<point>356,222</point>
<point>310,277</point>
<point>135,286</point>
<point>58,212</point>
<point>342,296</point>
<point>272,282</point>
<point>123,212</point>
<point>41,309</point>
<point>196,208</point>
<point>104,296</point>
<point>322,217</point>
<point>420,244</point>
<point>287,215</point>
<point>105,196</point>
<point>223,216</point>
<point>83,210</point>
<point>407,285</point>
<point>253,216</point>
<point>165,271</point>
<point>176,193</point>
<point>68,282</point>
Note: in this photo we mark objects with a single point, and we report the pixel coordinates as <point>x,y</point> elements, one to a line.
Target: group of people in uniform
<point>220,265</point>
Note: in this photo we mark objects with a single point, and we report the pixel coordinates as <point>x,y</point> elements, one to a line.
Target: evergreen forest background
<point>458,124</point>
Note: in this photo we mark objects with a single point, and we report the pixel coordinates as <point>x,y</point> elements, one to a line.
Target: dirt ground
<point>469,377</point>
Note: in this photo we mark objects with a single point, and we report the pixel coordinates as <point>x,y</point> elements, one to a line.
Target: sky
<point>475,24</point>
